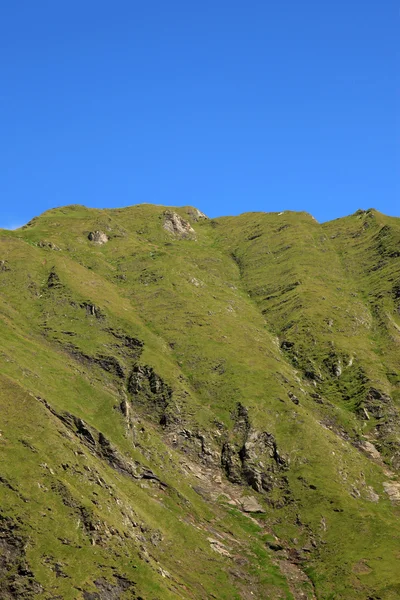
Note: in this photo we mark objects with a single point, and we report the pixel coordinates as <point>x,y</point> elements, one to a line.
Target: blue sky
<point>229,106</point>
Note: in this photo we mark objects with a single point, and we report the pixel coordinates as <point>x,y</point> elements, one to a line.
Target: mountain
<point>199,408</point>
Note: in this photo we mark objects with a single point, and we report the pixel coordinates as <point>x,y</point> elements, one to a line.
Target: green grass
<point>257,309</point>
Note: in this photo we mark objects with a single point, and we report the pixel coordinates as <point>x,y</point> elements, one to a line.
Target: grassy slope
<point>212,315</point>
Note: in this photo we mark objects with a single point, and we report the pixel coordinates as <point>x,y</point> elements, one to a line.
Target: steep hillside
<point>199,408</point>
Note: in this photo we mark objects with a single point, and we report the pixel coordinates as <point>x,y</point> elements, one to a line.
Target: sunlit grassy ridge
<point>154,341</point>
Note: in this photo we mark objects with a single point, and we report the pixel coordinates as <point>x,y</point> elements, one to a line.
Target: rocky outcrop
<point>53,280</point>
<point>92,310</point>
<point>16,579</point>
<point>393,491</point>
<point>253,457</point>
<point>195,443</point>
<point>377,403</point>
<point>179,227</point>
<point>231,463</point>
<point>195,214</point>
<point>242,424</point>
<point>147,388</point>
<point>250,505</point>
<point>127,344</point>
<point>105,362</point>
<point>98,237</point>
<point>379,406</point>
<point>99,445</point>
<point>49,245</point>
<point>111,591</point>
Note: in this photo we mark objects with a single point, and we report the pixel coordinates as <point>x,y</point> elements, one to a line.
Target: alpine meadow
<point>199,408</point>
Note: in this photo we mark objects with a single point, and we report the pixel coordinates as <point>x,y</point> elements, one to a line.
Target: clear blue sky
<point>229,106</point>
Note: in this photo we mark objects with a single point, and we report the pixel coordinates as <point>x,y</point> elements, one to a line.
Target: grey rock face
<point>231,463</point>
<point>253,457</point>
<point>377,404</point>
<point>98,237</point>
<point>250,505</point>
<point>148,388</point>
<point>196,214</point>
<point>178,226</point>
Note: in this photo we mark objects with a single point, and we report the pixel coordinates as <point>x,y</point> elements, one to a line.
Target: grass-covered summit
<point>199,408</point>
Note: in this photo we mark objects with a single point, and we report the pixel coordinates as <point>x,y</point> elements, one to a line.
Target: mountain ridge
<point>170,207</point>
<point>258,354</point>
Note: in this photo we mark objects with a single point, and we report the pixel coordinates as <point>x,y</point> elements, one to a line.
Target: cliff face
<point>199,408</point>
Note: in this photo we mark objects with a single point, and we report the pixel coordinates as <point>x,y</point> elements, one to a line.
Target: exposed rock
<point>156,538</point>
<point>252,457</point>
<point>275,546</point>
<point>84,431</point>
<point>287,345</point>
<point>317,397</point>
<point>110,364</point>
<point>395,461</point>
<point>196,282</point>
<point>111,591</point>
<point>196,214</point>
<point>4,266</point>
<point>50,245</point>
<point>376,404</point>
<point>202,492</point>
<point>242,421</point>
<point>148,388</point>
<point>371,495</point>
<point>176,225</point>
<point>53,280</point>
<point>148,276</point>
<point>251,505</point>
<point>219,547</point>
<point>98,237</point>
<point>261,461</point>
<point>331,424</point>
<point>17,580</point>
<point>333,364</point>
<point>105,362</point>
<point>300,585</point>
<point>92,310</point>
<point>196,442</point>
<point>102,447</point>
<point>370,450</point>
<point>125,409</point>
<point>130,345</point>
<point>392,489</point>
<point>118,462</point>
<point>337,370</point>
<point>363,413</point>
<point>231,463</point>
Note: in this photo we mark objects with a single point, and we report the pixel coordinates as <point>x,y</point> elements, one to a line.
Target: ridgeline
<point>199,408</point>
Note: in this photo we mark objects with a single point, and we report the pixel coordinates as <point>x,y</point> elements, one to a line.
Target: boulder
<point>98,237</point>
